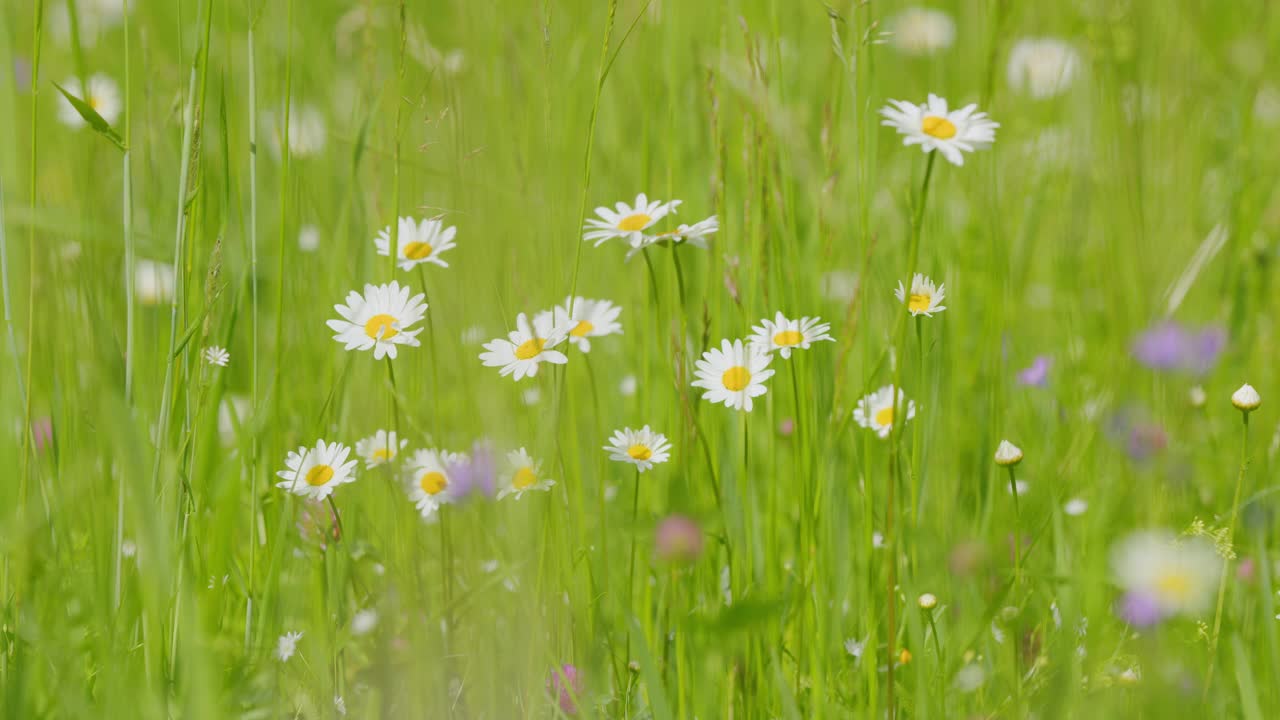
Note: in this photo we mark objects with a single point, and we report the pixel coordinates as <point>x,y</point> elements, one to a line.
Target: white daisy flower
<point>523,475</point>
<point>427,474</point>
<point>783,335</point>
<point>524,348</point>
<point>933,127</point>
<point>217,355</point>
<point>733,374</point>
<point>1178,575</point>
<point>1042,67</point>
<point>629,222</point>
<point>307,133</point>
<point>153,282</point>
<point>643,448</point>
<point>875,411</point>
<point>380,319</point>
<point>102,94</point>
<point>417,242</point>
<point>921,31</point>
<point>695,234</point>
<point>379,448</point>
<point>590,318</point>
<point>287,645</point>
<point>1075,507</point>
<point>308,238</point>
<point>316,472</point>
<point>627,386</point>
<point>926,298</point>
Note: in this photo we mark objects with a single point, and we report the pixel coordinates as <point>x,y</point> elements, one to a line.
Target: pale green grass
<point>760,111</point>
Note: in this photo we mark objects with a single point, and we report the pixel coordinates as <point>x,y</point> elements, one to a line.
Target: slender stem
<point>127,200</point>
<point>631,572</point>
<point>1017,526</point>
<point>337,519</point>
<point>253,347</point>
<point>1231,535</point>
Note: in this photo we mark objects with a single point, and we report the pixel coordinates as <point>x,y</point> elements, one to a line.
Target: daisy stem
<point>253,347</point>
<point>127,212</point>
<point>1231,534</point>
<point>337,519</point>
<point>653,279</point>
<point>395,396</point>
<point>1017,526</point>
<point>631,573</point>
<point>431,343</point>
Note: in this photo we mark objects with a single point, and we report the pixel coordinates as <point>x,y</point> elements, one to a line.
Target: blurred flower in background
<point>1042,67</point>
<point>1036,374</point>
<point>153,282</point>
<point>565,686</point>
<point>678,538</point>
<point>1164,575</point>
<point>921,31</point>
<point>1174,347</point>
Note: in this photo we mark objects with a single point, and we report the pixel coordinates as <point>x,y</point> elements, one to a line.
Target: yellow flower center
<point>884,416</point>
<point>95,102</point>
<point>787,338</point>
<point>938,127</point>
<point>919,303</point>
<point>417,250</point>
<point>631,223</point>
<point>1175,585</point>
<point>523,478</point>
<point>379,327</point>
<point>383,454</point>
<point>432,482</point>
<point>639,452</point>
<point>530,348</point>
<point>582,328</point>
<point>319,475</point>
<point>736,378</point>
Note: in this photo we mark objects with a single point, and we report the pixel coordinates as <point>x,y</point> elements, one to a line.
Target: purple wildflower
<point>42,433</point>
<point>475,474</point>
<point>1037,375</point>
<point>1139,610</point>
<point>1173,347</point>
<point>566,683</point>
<point>678,537</point>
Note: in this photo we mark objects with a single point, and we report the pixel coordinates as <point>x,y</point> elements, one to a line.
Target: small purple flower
<point>42,433</point>
<point>1173,347</point>
<point>1139,610</point>
<point>1037,375</point>
<point>566,684</point>
<point>476,474</point>
<point>1146,440</point>
<point>678,537</point>
<point>787,427</point>
<point>22,74</point>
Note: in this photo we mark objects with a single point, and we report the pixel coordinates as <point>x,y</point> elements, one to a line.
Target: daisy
<point>932,127</point>
<point>643,448</point>
<point>926,298</point>
<point>100,93</point>
<point>522,475</point>
<point>430,479</point>
<point>733,374</point>
<point>921,31</point>
<point>379,448</point>
<point>525,347</point>
<point>1165,575</point>
<point>590,318</point>
<point>875,411</point>
<point>629,222</point>
<point>1042,67</point>
<point>217,355</point>
<point>783,335</point>
<point>417,242</point>
<point>695,234</point>
<point>315,472</point>
<point>287,645</point>
<point>379,320</point>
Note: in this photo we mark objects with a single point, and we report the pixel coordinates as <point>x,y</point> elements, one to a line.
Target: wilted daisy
<point>643,448</point>
<point>525,347</point>
<point>522,475</point>
<point>933,127</point>
<point>307,133</point>
<point>379,448</point>
<point>921,31</point>
<point>733,374</point>
<point>875,411</point>
<point>695,234</point>
<point>588,319</point>
<point>417,242</point>
<point>428,474</point>
<point>784,335</point>
<point>287,645</point>
<point>153,282</point>
<point>926,298</point>
<point>380,319</point>
<point>100,93</point>
<point>217,355</point>
<point>1165,575</point>
<point>629,221</point>
<point>1042,67</point>
<point>315,472</point>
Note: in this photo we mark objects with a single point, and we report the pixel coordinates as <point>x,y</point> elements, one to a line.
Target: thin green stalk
<point>253,340</point>
<point>631,572</point>
<point>1231,534</point>
<point>127,210</point>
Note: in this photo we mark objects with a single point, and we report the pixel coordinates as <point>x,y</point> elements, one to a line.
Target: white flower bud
<point>1008,454</point>
<point>928,601</point>
<point>1197,397</point>
<point>1246,398</point>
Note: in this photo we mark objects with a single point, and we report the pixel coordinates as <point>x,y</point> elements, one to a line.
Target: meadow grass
<point>150,565</point>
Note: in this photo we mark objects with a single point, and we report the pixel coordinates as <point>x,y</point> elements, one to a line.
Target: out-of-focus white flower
<point>921,31</point>
<point>1042,67</point>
